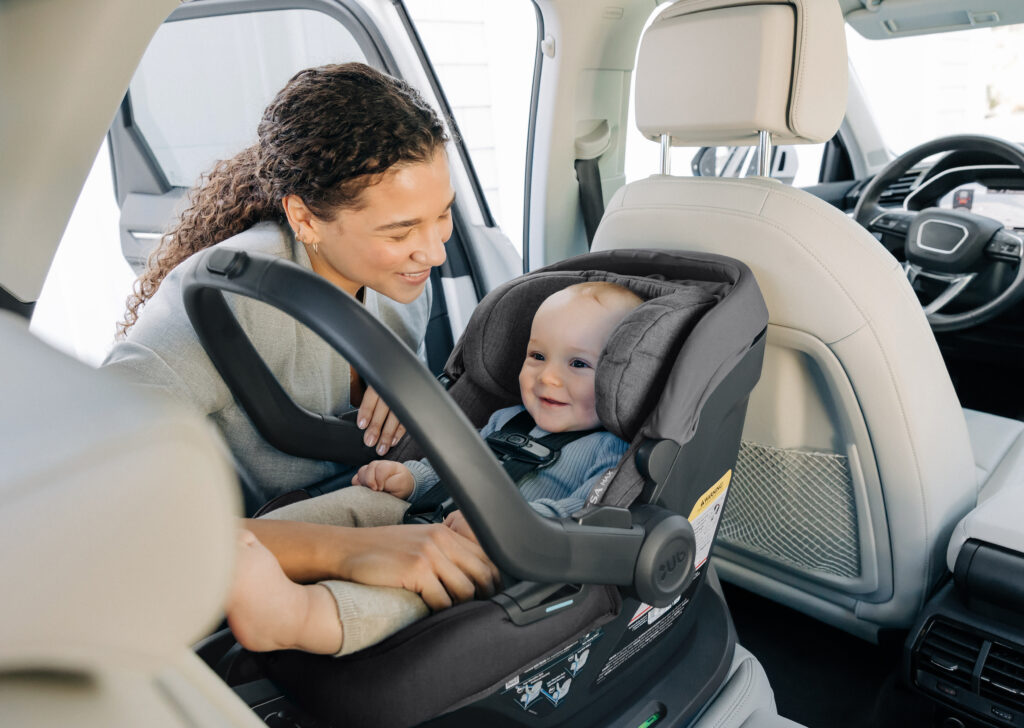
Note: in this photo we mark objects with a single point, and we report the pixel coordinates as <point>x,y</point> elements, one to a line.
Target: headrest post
<point>666,151</point>
<point>764,153</point>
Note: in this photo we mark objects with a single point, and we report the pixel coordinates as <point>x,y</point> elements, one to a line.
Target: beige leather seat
<point>117,528</point>
<point>856,461</point>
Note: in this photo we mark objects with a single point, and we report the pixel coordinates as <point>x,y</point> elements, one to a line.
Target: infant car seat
<point>615,618</point>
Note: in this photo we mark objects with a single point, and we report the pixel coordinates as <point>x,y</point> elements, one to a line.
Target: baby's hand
<point>388,476</point>
<point>457,522</point>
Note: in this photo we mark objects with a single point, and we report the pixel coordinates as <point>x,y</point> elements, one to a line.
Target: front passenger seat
<point>856,461</point>
<point>117,523</point>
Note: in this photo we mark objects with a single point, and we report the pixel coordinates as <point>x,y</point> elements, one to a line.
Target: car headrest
<point>116,514</point>
<point>716,72</point>
<point>635,361</point>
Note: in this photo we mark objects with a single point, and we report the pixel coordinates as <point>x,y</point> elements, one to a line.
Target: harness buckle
<point>515,446</point>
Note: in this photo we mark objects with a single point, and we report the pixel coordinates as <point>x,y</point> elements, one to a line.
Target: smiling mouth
<point>552,402</point>
<point>416,277</point>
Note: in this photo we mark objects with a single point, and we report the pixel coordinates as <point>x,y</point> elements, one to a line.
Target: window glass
<point>483,54</point>
<point>89,280</point>
<point>203,83</point>
<point>928,86</point>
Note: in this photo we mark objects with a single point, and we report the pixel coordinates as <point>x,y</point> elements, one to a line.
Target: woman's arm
<point>433,561</point>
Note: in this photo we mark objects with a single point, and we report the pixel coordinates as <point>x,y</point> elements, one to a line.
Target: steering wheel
<point>950,246</point>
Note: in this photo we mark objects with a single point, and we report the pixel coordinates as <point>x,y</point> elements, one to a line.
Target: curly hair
<point>330,133</point>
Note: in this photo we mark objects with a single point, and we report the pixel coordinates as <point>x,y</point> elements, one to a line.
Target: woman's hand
<point>433,561</point>
<point>458,523</point>
<point>382,426</point>
<point>387,476</point>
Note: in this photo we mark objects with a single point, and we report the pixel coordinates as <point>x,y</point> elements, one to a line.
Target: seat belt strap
<point>591,196</point>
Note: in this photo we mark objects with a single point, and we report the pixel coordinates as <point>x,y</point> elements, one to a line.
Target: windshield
<point>927,86</point>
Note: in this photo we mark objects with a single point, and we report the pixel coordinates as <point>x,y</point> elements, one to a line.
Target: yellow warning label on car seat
<point>705,515</point>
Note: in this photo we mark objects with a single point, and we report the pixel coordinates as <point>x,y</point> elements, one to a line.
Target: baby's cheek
<point>524,381</point>
<point>588,406</point>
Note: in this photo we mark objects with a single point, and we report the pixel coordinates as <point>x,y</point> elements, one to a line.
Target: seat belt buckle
<point>436,514</point>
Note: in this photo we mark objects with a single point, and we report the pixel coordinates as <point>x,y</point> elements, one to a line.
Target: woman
<point>350,179</point>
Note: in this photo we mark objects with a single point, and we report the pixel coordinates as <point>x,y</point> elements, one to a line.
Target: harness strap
<point>520,456</point>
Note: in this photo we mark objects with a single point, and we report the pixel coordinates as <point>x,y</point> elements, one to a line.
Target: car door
<point>198,94</point>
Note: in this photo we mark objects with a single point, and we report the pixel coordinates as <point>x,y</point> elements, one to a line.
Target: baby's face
<point>557,378</point>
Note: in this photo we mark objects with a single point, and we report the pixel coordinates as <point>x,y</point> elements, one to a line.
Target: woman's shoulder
<point>265,237</point>
<point>270,238</point>
<point>164,312</point>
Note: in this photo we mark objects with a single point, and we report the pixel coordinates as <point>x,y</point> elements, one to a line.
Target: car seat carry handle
<point>520,541</point>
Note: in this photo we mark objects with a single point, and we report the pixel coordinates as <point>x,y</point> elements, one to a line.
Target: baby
<point>556,383</point>
<point>557,388</point>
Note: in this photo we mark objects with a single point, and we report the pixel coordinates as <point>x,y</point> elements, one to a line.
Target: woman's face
<point>397,235</point>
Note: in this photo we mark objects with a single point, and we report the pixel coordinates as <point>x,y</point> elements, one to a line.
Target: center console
<point>967,649</point>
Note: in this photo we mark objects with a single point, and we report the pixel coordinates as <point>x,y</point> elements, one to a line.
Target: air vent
<point>1002,677</point>
<point>949,652</point>
<point>897,191</point>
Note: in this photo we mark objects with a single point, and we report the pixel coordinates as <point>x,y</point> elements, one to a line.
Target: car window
<point>187,117</point>
<point>191,117</point>
<point>89,279</point>
<point>483,54</point>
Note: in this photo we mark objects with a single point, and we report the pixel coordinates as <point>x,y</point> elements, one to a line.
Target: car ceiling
<point>879,19</point>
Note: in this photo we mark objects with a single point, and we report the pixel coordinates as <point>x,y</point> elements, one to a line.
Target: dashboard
<point>1006,206</point>
<point>992,190</point>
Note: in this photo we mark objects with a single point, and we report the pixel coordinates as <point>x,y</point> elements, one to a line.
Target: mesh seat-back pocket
<point>794,507</point>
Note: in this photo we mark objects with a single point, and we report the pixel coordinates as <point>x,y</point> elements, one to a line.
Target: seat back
<point>855,463</point>
<point>116,521</point>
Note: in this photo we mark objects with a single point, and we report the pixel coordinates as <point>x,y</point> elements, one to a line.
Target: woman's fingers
<point>472,560</point>
<point>383,430</point>
<point>376,418</point>
<point>366,408</point>
<point>457,522</point>
<point>459,587</point>
<point>388,434</point>
<point>463,571</point>
<point>437,563</point>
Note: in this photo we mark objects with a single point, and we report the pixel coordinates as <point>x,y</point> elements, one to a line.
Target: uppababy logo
<point>668,566</point>
<point>602,485</point>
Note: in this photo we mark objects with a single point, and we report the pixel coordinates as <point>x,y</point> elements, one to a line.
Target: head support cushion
<point>634,362</point>
<point>716,72</point>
